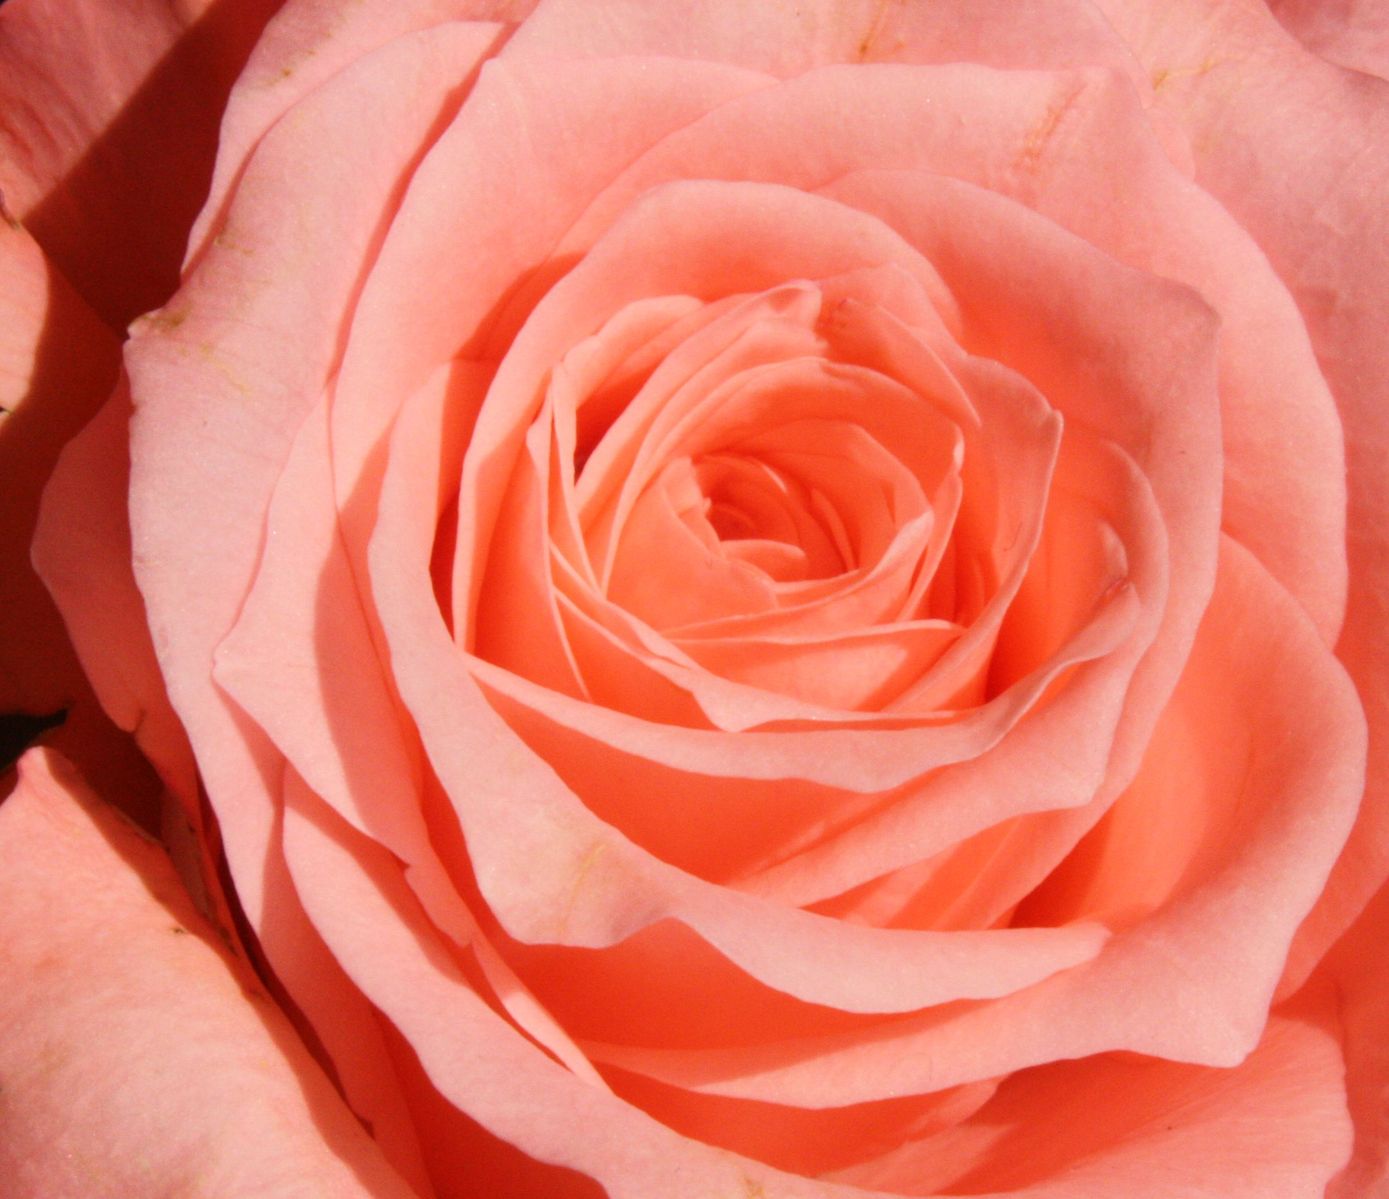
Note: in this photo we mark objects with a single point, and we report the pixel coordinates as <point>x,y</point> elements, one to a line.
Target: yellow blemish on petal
<point>218,363</point>
<point>160,321</point>
<point>1035,142</point>
<point>225,241</point>
<point>1164,75</point>
<point>586,864</point>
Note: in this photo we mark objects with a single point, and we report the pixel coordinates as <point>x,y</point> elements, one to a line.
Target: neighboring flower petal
<point>111,115</point>
<point>137,1058</point>
<point>57,363</point>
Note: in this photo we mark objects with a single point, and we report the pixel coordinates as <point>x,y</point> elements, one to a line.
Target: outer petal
<point>1353,33</point>
<point>1299,151</point>
<point>308,43</point>
<point>1112,1127</point>
<point>117,1009</point>
<point>101,101</point>
<point>786,39</point>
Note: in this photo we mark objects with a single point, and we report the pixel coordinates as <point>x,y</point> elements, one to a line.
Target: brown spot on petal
<point>871,39</point>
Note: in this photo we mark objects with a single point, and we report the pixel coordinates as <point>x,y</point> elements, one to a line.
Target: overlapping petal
<point>759,654</point>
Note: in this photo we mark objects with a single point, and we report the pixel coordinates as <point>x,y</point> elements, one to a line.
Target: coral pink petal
<point>1359,969</point>
<point>57,364</point>
<point>995,255</point>
<point>82,552</point>
<point>479,1062</point>
<point>1017,134</point>
<point>505,169</point>
<point>81,143</point>
<point>733,240</point>
<point>301,660</point>
<point>1274,1125</point>
<point>1297,149</point>
<point>237,360</point>
<point>1281,797</point>
<point>1022,774</point>
<point>118,1008</point>
<point>552,871</point>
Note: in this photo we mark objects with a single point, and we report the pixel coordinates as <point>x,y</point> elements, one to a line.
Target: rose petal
<point>505,170</point>
<point>1297,151</point>
<point>1353,33</point>
<point>478,1061</point>
<point>238,359</point>
<point>786,41</point>
<point>81,144</point>
<point>118,1008</point>
<point>553,872</point>
<point>1359,969</point>
<point>1020,137</point>
<point>235,362</point>
<point>302,661</point>
<point>57,363</point>
<point>304,46</point>
<point>82,552</point>
<point>1109,1127</point>
<point>1293,779</point>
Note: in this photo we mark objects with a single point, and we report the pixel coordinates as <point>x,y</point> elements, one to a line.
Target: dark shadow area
<point>18,731</point>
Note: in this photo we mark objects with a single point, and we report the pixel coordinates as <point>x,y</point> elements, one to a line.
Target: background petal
<point>119,1011</point>
<point>111,115</point>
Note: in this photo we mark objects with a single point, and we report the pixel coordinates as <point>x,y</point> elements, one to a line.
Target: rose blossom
<point>707,599</point>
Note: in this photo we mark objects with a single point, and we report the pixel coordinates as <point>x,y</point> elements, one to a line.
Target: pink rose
<point>707,599</point>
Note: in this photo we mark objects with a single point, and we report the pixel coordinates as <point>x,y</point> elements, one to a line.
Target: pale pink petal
<point>137,1057</point>
<point>788,39</point>
<point>1298,150</point>
<point>1353,33</point>
<point>305,45</point>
